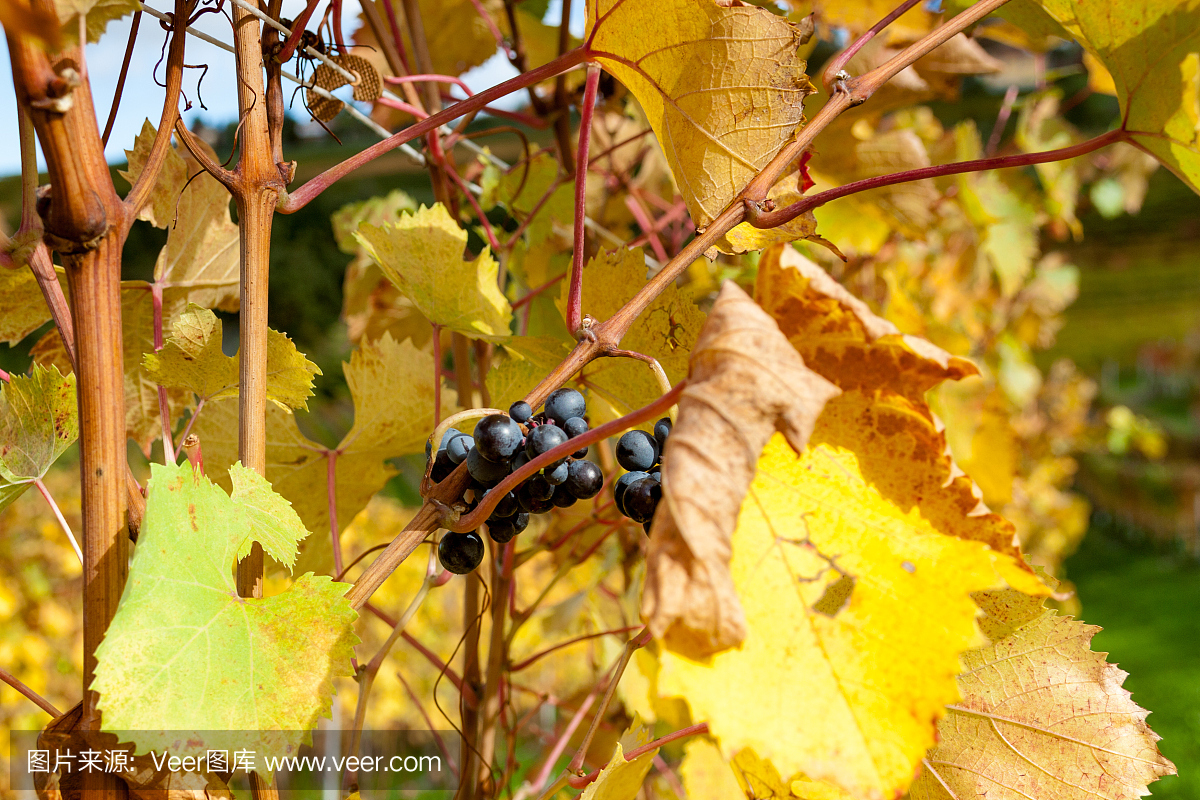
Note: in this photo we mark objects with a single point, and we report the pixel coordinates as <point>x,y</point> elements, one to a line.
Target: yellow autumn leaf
<point>192,359</point>
<point>22,308</point>
<point>705,773</point>
<point>722,85</point>
<point>621,779</point>
<point>457,36</point>
<point>1151,51</point>
<point>882,410</point>
<point>1042,716</point>
<point>525,360</point>
<point>531,186</point>
<point>858,610</point>
<point>665,331</point>
<point>422,254</point>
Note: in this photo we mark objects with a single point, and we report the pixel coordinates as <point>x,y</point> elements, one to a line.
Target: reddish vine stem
<point>532,293</point>
<point>116,101</point>
<point>839,62</point>
<point>771,219</point>
<point>575,294</point>
<point>38,700</point>
<point>533,659</point>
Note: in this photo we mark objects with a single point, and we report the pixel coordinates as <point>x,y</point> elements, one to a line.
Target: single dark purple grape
<point>524,498</point>
<point>637,451</point>
<point>458,448</point>
<point>519,460</point>
<point>575,426</point>
<point>543,439</point>
<point>580,453</point>
<point>489,473</point>
<point>442,467</point>
<point>562,498</point>
<point>506,507</point>
<point>497,437</point>
<point>503,530</point>
<point>641,498</point>
<point>622,484</point>
<point>542,506</point>
<point>662,429</point>
<point>460,552</point>
<point>539,487</point>
<point>557,475</point>
<point>562,404</point>
<point>584,479</point>
<point>520,411</point>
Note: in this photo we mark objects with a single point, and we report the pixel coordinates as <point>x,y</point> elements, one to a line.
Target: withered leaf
<point>745,383</point>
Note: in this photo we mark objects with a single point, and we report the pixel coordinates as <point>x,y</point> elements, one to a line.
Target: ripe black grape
<point>622,485</point>
<point>539,487</point>
<point>520,411</point>
<point>637,451</point>
<point>497,437</point>
<point>557,475</point>
<point>562,404</point>
<point>460,552</point>
<point>506,507</point>
<point>541,506</point>
<point>442,467</point>
<point>486,472</point>
<point>543,439</point>
<point>458,448</point>
<point>641,498</point>
<point>662,429</point>
<point>575,426</point>
<point>584,479</point>
<point>562,498</point>
<point>504,529</point>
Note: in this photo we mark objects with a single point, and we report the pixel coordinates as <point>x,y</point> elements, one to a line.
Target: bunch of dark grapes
<point>638,491</point>
<point>501,444</point>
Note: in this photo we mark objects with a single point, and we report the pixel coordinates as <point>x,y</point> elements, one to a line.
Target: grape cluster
<point>502,443</point>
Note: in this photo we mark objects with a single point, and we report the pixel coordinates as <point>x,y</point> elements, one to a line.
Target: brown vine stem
<point>771,219</point>
<point>575,294</point>
<point>489,714</point>
<point>86,222</point>
<point>38,700</point>
<point>255,190</point>
<point>116,101</point>
<point>630,647</point>
<point>608,334</point>
<point>472,619</point>
<point>839,62</point>
<point>42,266</point>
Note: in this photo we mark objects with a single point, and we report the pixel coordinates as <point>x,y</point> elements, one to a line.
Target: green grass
<point>1148,602</point>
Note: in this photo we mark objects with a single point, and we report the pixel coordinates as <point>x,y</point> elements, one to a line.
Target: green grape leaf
<point>1152,51</point>
<point>721,83</point>
<point>38,421</point>
<point>22,308</point>
<point>666,330</point>
<point>185,652</point>
<point>421,254</point>
<point>192,359</point>
<point>376,210</point>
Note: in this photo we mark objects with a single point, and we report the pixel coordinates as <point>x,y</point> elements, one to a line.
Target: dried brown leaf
<point>745,383</point>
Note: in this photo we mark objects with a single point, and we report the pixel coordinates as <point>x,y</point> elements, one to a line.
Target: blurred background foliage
<point>1073,286</point>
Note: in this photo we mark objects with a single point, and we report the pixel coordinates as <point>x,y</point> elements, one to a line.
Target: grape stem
<point>479,515</point>
<point>38,700</point>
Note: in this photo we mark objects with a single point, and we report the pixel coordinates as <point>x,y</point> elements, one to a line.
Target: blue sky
<point>143,99</point>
